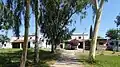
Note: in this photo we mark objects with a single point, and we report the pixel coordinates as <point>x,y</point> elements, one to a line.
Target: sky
<point>110,11</point>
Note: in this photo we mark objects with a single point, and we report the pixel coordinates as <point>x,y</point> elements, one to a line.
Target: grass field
<point>11,58</point>
<point>106,60</point>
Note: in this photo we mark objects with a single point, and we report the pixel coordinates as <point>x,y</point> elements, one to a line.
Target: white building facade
<point>16,42</point>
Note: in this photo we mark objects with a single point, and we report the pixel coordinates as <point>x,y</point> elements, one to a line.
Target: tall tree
<point>24,54</point>
<point>36,9</point>
<point>97,8</point>
<point>57,16</point>
<point>13,10</point>
<point>37,30</point>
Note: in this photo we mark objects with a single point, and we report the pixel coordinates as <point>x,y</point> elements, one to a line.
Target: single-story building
<point>78,43</point>
<point>17,42</point>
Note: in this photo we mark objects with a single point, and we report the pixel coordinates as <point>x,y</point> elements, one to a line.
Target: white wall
<point>76,36</point>
<point>42,44</point>
<point>8,45</point>
<point>1,45</point>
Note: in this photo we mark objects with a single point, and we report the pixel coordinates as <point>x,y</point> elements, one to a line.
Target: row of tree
<point>113,34</point>
<point>52,18</point>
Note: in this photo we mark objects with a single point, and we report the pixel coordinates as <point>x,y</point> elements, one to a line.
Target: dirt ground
<point>68,58</point>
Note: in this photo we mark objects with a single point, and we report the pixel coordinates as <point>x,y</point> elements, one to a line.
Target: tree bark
<point>91,32</point>
<point>36,58</point>
<point>24,53</point>
<point>52,48</point>
<point>95,32</point>
<point>55,46</point>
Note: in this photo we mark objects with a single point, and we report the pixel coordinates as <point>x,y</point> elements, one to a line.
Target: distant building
<point>114,45</point>
<point>84,39</point>
<point>17,42</point>
<point>79,36</point>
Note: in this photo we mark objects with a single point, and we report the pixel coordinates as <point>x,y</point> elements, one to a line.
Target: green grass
<point>11,58</point>
<point>107,61</point>
<point>102,61</point>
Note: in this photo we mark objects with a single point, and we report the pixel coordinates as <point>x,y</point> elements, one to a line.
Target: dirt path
<point>68,59</point>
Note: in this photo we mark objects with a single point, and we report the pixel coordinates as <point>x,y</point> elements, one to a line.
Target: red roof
<point>20,41</point>
<point>74,42</point>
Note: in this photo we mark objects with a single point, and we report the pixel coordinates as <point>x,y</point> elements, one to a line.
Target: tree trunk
<point>52,48</point>
<point>55,46</point>
<point>36,58</point>
<point>95,32</point>
<point>91,32</point>
<point>24,53</point>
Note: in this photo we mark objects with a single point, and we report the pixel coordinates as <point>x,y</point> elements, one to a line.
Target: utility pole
<point>83,43</point>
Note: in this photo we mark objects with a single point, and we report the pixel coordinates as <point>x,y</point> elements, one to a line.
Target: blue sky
<point>110,11</point>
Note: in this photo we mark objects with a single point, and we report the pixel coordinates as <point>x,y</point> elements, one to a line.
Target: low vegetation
<point>11,58</point>
<point>106,60</point>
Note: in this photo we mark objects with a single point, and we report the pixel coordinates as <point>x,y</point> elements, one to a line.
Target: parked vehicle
<point>114,45</point>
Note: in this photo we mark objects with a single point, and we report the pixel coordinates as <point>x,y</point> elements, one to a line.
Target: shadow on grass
<point>11,58</point>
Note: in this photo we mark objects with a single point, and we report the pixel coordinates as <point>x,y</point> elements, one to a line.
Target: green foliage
<point>105,61</point>
<point>6,17</point>
<point>11,57</point>
<point>56,16</point>
<point>4,38</point>
<point>117,21</point>
<point>17,8</point>
<point>99,37</point>
<point>11,14</point>
<point>108,60</point>
<point>113,34</point>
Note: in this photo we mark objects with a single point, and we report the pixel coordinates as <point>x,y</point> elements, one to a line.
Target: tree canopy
<point>113,34</point>
<point>6,17</point>
<point>56,17</point>
<point>117,21</point>
<point>11,14</point>
<point>4,38</point>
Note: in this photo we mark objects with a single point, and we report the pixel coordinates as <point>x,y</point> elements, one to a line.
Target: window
<point>111,43</point>
<point>100,43</point>
<point>30,37</point>
<point>79,37</point>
